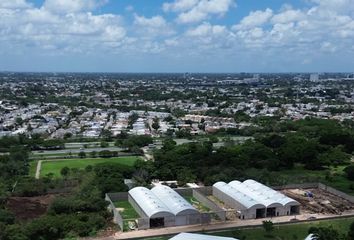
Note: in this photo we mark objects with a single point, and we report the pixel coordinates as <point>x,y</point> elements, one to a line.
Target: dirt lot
<point>320,202</point>
<point>26,208</point>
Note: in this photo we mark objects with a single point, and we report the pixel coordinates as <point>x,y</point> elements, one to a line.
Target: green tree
<point>65,171</point>
<point>268,226</point>
<point>82,154</point>
<point>325,233</point>
<point>156,123</point>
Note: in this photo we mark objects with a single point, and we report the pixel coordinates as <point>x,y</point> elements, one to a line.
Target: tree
<point>82,154</point>
<point>156,123</point>
<point>325,233</point>
<point>350,172</point>
<point>104,144</point>
<point>351,232</point>
<point>93,154</point>
<point>268,226</point>
<point>65,171</point>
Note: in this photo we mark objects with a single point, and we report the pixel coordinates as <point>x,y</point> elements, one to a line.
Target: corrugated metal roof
<point>269,193</point>
<point>245,200</point>
<point>175,202</point>
<point>149,202</point>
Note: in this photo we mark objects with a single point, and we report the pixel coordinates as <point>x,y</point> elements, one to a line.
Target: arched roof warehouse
<point>270,193</point>
<point>150,204</point>
<point>260,196</point>
<point>245,200</point>
<point>175,202</point>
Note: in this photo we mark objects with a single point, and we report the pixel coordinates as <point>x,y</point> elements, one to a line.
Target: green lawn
<point>128,211</point>
<point>286,232</point>
<point>55,166</point>
<point>32,167</point>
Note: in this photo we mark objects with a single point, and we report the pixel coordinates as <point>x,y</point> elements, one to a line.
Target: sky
<point>177,35</point>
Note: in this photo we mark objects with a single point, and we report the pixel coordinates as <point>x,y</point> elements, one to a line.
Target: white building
<point>163,207</point>
<point>252,199</point>
<point>185,213</point>
<point>149,206</point>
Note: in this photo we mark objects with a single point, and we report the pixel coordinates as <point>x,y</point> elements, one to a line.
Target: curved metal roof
<point>149,202</point>
<point>245,200</point>
<point>269,193</point>
<point>257,195</point>
<point>175,202</point>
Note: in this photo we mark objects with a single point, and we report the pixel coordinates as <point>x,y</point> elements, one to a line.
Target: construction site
<point>316,200</point>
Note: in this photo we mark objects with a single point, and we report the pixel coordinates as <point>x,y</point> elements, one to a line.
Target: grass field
<point>55,166</point>
<point>285,232</point>
<point>127,211</point>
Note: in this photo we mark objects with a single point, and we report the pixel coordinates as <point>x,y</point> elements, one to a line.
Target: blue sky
<point>177,35</point>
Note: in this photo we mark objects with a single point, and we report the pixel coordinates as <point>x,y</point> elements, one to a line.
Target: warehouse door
<point>260,212</point>
<point>271,212</point>
<point>294,210</point>
<point>157,222</point>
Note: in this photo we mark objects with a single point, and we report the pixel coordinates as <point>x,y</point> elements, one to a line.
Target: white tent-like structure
<point>289,205</point>
<point>191,236</point>
<point>148,205</point>
<point>184,212</point>
<point>248,206</point>
<point>255,200</point>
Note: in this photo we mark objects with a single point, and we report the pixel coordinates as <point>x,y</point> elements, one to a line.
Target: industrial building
<point>149,206</point>
<point>252,199</point>
<point>163,207</point>
<point>191,236</point>
<point>185,213</point>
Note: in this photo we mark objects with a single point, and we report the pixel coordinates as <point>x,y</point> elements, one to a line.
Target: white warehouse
<point>163,207</point>
<point>252,199</point>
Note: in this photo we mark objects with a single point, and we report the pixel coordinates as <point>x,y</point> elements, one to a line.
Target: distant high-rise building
<point>314,77</point>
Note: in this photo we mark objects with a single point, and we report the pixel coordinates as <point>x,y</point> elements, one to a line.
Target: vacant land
<point>25,208</point>
<point>286,232</point>
<point>55,166</point>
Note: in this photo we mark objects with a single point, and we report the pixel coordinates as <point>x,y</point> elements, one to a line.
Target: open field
<point>55,166</point>
<point>282,232</point>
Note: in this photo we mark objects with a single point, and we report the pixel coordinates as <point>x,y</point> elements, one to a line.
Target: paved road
<point>38,169</point>
<point>86,150</point>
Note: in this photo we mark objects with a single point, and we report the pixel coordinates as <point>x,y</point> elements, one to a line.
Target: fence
<point>336,192</point>
<point>117,218</point>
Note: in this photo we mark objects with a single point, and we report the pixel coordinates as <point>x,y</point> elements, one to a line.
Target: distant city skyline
<point>177,36</point>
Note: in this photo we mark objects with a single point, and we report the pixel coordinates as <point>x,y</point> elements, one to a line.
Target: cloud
<point>70,6</point>
<point>43,29</point>
<point>206,29</point>
<point>154,26</point>
<point>14,4</point>
<point>193,11</point>
<point>255,19</point>
<point>179,5</point>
